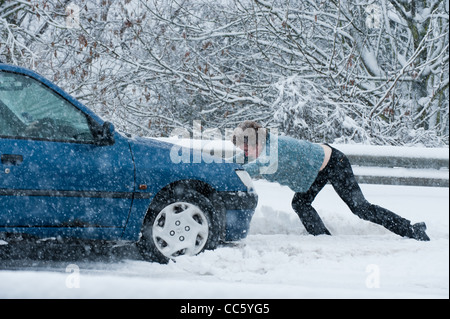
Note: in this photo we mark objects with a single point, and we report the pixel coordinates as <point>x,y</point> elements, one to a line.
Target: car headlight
<point>245,179</point>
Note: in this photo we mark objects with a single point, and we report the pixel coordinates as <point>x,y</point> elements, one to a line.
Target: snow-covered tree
<point>383,64</point>
<point>372,71</point>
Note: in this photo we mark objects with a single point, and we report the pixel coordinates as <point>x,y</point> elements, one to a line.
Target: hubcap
<point>180,229</point>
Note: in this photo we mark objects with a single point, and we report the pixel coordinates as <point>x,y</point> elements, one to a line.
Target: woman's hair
<point>248,133</point>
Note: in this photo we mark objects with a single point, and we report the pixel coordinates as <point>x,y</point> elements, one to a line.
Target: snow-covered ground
<point>277,260</point>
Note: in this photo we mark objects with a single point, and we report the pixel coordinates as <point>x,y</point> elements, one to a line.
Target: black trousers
<point>340,174</point>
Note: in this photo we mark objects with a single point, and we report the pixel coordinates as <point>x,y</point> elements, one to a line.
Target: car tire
<point>182,222</point>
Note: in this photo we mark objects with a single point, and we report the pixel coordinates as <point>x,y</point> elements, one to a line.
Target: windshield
<point>30,109</point>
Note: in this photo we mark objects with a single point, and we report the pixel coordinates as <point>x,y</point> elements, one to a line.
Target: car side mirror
<point>105,135</point>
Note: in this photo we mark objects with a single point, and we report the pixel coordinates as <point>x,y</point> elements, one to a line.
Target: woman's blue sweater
<point>288,161</point>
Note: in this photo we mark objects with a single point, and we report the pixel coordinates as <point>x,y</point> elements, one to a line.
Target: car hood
<point>193,146</point>
<point>159,163</point>
<point>151,142</point>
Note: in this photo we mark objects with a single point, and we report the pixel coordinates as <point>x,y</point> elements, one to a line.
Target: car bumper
<point>240,207</point>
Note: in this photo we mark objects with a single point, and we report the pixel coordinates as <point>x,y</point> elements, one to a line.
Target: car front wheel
<point>179,225</point>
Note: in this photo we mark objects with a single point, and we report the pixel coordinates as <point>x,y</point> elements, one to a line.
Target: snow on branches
<point>373,72</point>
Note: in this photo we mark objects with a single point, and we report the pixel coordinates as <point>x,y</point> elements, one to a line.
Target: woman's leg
<point>301,203</point>
<point>344,182</point>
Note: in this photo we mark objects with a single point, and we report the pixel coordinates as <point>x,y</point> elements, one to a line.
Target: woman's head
<point>250,137</point>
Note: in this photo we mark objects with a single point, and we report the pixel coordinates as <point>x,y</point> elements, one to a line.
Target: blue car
<point>64,172</point>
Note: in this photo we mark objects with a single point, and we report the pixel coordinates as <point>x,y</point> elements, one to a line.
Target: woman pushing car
<point>306,168</point>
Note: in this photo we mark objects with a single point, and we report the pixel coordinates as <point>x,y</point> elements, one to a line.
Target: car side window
<point>29,109</point>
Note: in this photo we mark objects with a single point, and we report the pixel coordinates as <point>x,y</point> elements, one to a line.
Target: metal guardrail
<point>412,171</point>
<point>394,161</point>
<point>407,181</point>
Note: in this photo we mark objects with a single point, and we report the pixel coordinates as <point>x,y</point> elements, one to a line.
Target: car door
<point>53,173</point>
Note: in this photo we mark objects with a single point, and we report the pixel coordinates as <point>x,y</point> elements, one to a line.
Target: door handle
<point>11,159</point>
